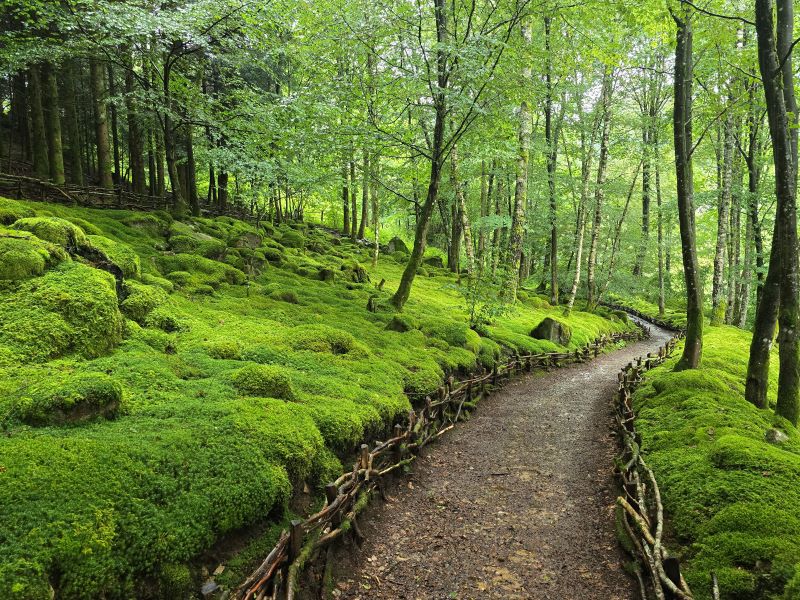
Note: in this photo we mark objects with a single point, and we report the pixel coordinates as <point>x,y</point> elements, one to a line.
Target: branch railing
<point>639,506</point>
<point>30,188</point>
<point>278,576</point>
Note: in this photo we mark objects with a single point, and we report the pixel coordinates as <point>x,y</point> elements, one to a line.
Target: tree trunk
<point>55,150</point>
<point>657,153</point>
<point>101,124</point>
<point>780,101</point>
<point>599,191</point>
<point>191,173</point>
<point>112,109</point>
<point>521,184</point>
<point>135,135</point>
<point>723,207</point>
<point>41,162</point>
<point>345,196</point>
<point>353,199</point>
<point>552,149</point>
<point>437,157</point>
<point>375,213</point>
<point>646,151</point>
<point>362,227</point>
<point>682,125</point>
<point>73,154</point>
<point>466,230</point>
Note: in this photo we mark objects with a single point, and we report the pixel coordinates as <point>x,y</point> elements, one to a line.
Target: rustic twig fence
<point>641,512</point>
<point>30,188</point>
<point>278,576</point>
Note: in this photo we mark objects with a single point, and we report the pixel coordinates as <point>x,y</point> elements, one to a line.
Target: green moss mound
<point>77,399</point>
<point>266,381</point>
<point>23,255</point>
<point>71,308</point>
<point>733,496</point>
<point>323,338</point>
<point>191,271</point>
<point>119,254</point>
<point>117,507</point>
<point>54,230</point>
<point>11,211</point>
<point>141,300</point>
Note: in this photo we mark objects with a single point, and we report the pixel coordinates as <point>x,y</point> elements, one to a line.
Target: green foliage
<point>732,495</point>
<point>266,381</point>
<point>77,399</point>
<point>54,230</point>
<point>119,254</point>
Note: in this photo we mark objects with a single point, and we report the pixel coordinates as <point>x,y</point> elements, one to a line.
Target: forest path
<point>516,503</point>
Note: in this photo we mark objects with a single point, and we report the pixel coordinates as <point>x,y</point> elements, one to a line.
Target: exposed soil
<point>515,503</point>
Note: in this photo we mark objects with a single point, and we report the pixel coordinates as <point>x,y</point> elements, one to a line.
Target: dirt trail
<point>515,503</point>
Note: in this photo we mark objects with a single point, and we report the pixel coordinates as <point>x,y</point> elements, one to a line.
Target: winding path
<point>516,503</point>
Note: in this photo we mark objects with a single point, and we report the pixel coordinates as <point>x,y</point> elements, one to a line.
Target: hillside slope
<point>164,383</point>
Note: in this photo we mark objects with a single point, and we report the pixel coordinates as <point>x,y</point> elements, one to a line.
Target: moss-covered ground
<point>729,473</point>
<point>166,383</point>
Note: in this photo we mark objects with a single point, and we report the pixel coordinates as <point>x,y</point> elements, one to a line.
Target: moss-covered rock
<point>53,230</point>
<point>552,330</point>
<point>200,271</point>
<point>121,255</point>
<point>264,381</point>
<point>23,255</point>
<point>284,295</point>
<point>78,398</point>
<point>224,349</point>
<point>293,239</point>
<point>396,244</point>
<point>164,284</point>
<point>141,300</point>
<point>453,333</point>
<point>11,210</point>
<point>353,271</point>
<point>402,323</point>
<point>71,308</point>
<point>324,338</point>
<point>434,261</point>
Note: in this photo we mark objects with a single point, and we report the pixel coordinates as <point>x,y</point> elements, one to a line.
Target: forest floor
<point>518,502</point>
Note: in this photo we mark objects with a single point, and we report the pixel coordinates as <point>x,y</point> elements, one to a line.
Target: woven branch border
<point>278,576</point>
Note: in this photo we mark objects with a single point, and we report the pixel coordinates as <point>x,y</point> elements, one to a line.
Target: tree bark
<point>364,196</point>
<point>599,190</point>
<point>41,162</point>
<point>437,157</point>
<point>55,150</point>
<point>723,207</point>
<point>135,135</point>
<point>73,155</point>
<point>552,149</point>
<point>682,125</point>
<point>780,102</point>
<point>101,124</point>
<point>521,184</point>
<point>466,229</point>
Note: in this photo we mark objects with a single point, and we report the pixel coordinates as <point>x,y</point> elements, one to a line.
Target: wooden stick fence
<point>20,186</point>
<point>639,507</point>
<point>278,576</point>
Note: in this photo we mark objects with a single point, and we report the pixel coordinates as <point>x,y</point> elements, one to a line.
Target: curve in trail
<point>518,502</point>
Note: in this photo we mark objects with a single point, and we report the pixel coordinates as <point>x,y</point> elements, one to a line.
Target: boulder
<point>776,436</point>
<point>248,240</point>
<point>553,331</point>
<point>434,261</point>
<point>397,245</point>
